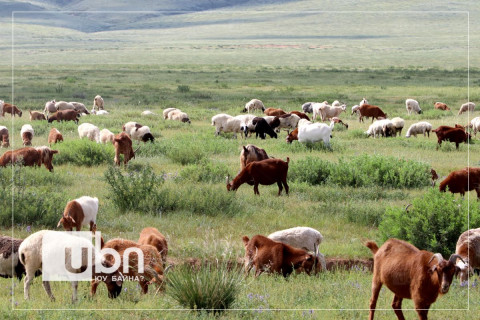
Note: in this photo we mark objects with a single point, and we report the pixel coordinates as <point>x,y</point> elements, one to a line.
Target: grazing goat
<point>268,255</point>
<point>314,132</point>
<point>10,266</point>
<point>106,136</point>
<point>251,153</point>
<point>27,134</point>
<point>178,115</point>
<point>35,115</point>
<point>307,107</point>
<point>98,102</point>
<point>367,110</point>
<point>329,112</point>
<point>64,115</point>
<point>337,120</point>
<point>4,135</point>
<point>274,112</point>
<point>254,104</point>
<point>12,109</point>
<point>412,106</point>
<point>265,172</point>
<point>123,145</point>
<point>29,157</point>
<point>154,238</point>
<point>409,273</point>
<point>33,252</point>
<point>300,114</point>
<point>78,212</point>
<point>317,109</point>
<point>292,136</point>
<point>54,136</point>
<point>50,107</point>
<point>80,107</point>
<point>456,135</point>
<point>418,128</point>
<point>262,128</point>
<point>466,107</point>
<point>468,247</point>
<point>466,179</point>
<point>90,131</point>
<point>441,106</point>
<point>152,263</point>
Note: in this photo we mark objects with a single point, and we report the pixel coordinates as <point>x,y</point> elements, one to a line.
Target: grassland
<point>202,220</point>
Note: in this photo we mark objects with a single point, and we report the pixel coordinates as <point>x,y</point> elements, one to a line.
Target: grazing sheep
<point>131,126</point>
<point>64,115</point>
<point>219,121</point>
<point>254,104</point>
<point>167,111</point>
<point>154,238</point>
<point>383,127</point>
<point>178,115</point>
<point>418,128</point>
<point>251,153</point>
<point>78,212</point>
<point>10,108</point>
<point>33,252</point>
<point>317,109</point>
<point>4,135</point>
<point>307,107</point>
<point>412,105</point>
<point>398,123</point>
<point>100,112</point>
<point>98,102</point>
<point>79,107</point>
<point>441,106</point>
<point>35,115</point>
<point>142,134</point>
<point>106,136</point>
<point>26,133</point>
<point>355,109</point>
<point>274,112</point>
<point>466,179</point>
<point>54,136</point>
<point>90,131</point>
<point>409,273</point>
<point>367,110</point>
<point>10,266</point>
<point>237,124</point>
<point>311,133</point>
<point>123,145</point>
<point>63,105</point>
<point>301,237</point>
<point>468,247</point>
<point>148,113</point>
<point>50,107</point>
<point>466,107</point>
<point>246,123</point>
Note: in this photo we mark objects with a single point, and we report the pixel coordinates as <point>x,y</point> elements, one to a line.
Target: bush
<point>434,222</point>
<point>205,171</point>
<point>83,153</point>
<point>183,88</point>
<point>211,287</point>
<point>312,170</point>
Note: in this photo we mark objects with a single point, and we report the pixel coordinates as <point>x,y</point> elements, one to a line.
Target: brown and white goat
<point>265,172</point>
<point>292,136</point>
<point>466,179</point>
<point>251,153</point>
<point>29,157</point>
<point>154,238</point>
<point>123,145</point>
<point>152,263</point>
<point>54,136</point>
<point>78,212</point>
<point>4,136</point>
<point>410,273</point>
<point>468,247</point>
<point>12,109</point>
<point>267,255</point>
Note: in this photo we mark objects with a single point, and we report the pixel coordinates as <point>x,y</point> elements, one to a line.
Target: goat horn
<point>228,178</point>
<point>135,151</point>
<point>453,258</point>
<point>406,208</point>
<point>438,256</point>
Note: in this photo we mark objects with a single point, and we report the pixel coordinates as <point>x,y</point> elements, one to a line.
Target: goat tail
<point>245,240</point>
<point>288,160</point>
<point>22,258</point>
<point>372,246</point>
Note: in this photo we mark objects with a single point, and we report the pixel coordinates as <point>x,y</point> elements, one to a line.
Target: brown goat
<point>29,157</point>
<point>338,120</point>
<point>459,181</point>
<point>4,135</point>
<point>441,106</point>
<point>54,136</point>
<point>12,109</point>
<point>266,254</point>
<point>35,115</point>
<point>301,115</point>
<point>152,262</point>
<point>274,112</point>
<point>409,273</point>
<point>123,145</point>
<point>64,115</point>
<point>468,247</point>
<point>154,238</point>
<point>434,176</point>
<point>456,135</point>
<point>368,110</point>
<point>265,172</point>
<point>251,153</point>
<point>292,136</point>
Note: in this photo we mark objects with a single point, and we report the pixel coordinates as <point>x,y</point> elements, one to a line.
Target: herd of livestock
<point>407,271</point>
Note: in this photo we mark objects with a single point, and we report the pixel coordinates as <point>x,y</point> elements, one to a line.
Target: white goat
<point>364,101</point>
<point>412,105</point>
<point>419,127</point>
<point>328,112</point>
<point>355,109</point>
<point>475,124</point>
<point>316,108</point>
<point>90,131</point>
<point>106,136</point>
<point>315,132</point>
<point>469,106</point>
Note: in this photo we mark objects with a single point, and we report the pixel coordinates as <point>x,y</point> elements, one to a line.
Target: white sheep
<point>475,124</point>
<point>63,105</point>
<point>131,125</point>
<point>316,108</point>
<point>364,101</point>
<point>148,113</point>
<point>106,136</point>
<point>98,102</point>
<point>50,107</point>
<point>90,131</point>
<point>355,109</point>
<point>27,134</point>
<point>246,124</point>
<point>167,111</point>
<point>469,106</point>
<point>398,123</point>
<point>315,132</point>
<point>178,115</point>
<point>412,105</point>
<point>375,129</point>
<point>36,255</point>
<point>288,121</point>
<point>79,107</point>
<point>468,247</point>
<point>142,134</point>
<point>328,112</point>
<point>419,127</point>
<point>253,105</point>
<point>218,121</point>
<point>99,112</point>
<point>301,237</point>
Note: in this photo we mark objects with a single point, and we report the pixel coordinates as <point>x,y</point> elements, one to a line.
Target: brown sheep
<point>459,181</point>
<point>35,115</point>
<point>251,153</point>
<point>274,112</point>
<point>12,109</point>
<point>266,254</point>
<point>368,110</point>
<point>409,273</point>
<point>154,238</point>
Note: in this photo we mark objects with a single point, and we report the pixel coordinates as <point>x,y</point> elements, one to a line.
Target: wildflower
<point>29,228</point>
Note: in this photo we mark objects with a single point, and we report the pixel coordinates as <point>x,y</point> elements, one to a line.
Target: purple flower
<point>29,228</point>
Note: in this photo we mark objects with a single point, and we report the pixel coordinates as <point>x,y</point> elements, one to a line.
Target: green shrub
<point>434,221</point>
<point>83,153</point>
<point>183,88</point>
<point>211,287</point>
<point>310,169</point>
